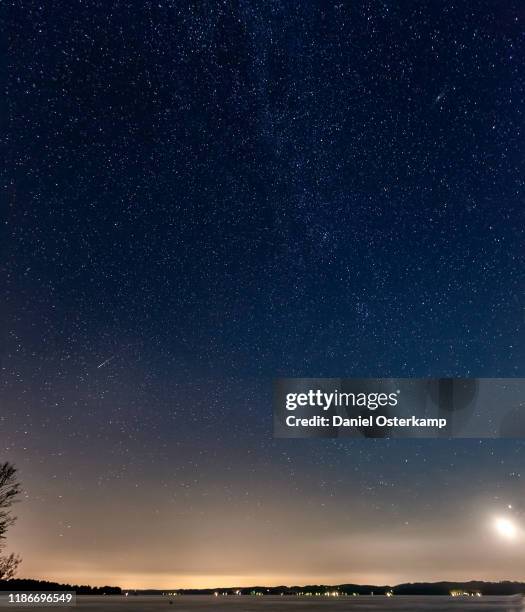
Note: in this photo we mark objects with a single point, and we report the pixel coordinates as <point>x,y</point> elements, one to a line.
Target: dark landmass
<point>444,588</point>
<point>416,588</point>
<point>42,585</point>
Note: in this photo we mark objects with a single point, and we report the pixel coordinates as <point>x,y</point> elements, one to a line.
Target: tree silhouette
<point>9,490</point>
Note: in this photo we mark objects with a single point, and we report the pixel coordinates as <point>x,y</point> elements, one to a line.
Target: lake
<point>185,603</point>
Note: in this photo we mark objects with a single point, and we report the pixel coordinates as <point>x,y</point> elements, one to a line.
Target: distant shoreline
<point>443,588</point>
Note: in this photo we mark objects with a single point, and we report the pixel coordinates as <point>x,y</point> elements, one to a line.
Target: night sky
<point>202,196</point>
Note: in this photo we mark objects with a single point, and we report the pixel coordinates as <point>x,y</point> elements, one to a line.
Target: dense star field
<point>202,196</point>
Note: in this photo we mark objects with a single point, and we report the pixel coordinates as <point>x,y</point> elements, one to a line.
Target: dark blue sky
<point>206,195</point>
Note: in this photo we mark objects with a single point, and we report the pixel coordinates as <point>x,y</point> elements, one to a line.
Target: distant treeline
<point>416,588</point>
<point>444,588</point>
<point>42,585</point>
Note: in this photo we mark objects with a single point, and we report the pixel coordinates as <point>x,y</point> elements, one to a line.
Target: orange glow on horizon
<point>156,581</point>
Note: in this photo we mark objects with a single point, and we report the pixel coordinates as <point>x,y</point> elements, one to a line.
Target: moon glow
<point>505,528</point>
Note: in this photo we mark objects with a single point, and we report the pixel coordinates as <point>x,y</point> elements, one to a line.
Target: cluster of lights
<point>238,592</point>
<point>464,594</point>
<point>323,594</point>
<point>335,594</point>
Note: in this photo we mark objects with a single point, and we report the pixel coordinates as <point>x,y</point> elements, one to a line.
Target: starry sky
<point>203,196</point>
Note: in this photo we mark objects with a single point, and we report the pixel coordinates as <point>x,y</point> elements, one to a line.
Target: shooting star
<point>100,365</point>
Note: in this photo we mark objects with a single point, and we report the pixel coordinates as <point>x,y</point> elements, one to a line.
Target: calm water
<point>294,604</point>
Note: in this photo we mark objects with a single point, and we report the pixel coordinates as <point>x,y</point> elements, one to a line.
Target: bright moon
<point>506,528</point>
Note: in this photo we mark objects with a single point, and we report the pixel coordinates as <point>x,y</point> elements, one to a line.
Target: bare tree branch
<point>8,566</point>
<point>9,491</point>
